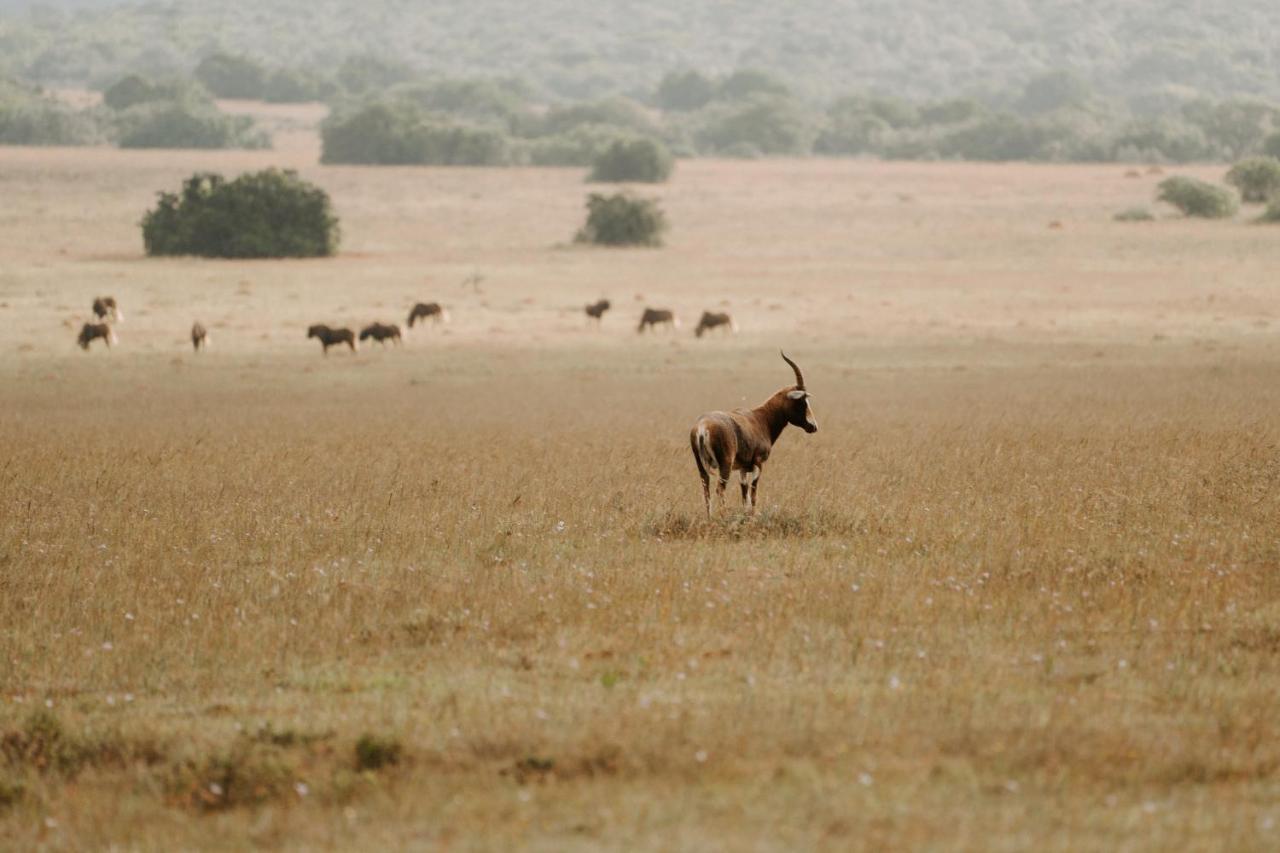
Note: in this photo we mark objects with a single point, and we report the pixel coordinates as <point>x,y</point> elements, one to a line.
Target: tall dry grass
<point>1015,606</point>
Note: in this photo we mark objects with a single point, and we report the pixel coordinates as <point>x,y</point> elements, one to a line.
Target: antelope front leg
<point>755,484</point>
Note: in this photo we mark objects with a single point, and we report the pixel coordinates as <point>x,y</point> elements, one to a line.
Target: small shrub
<point>1272,213</point>
<point>373,752</point>
<point>231,76</point>
<point>622,220</point>
<point>177,125</point>
<point>1257,179</point>
<point>268,214</point>
<point>641,160</point>
<point>1134,214</point>
<point>1196,198</point>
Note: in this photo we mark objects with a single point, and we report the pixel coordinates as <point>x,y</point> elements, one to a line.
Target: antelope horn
<point>796,368</point>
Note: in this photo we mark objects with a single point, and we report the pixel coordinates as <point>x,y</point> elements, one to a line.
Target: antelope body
<point>199,336</point>
<point>741,440</point>
<point>423,310</point>
<point>654,317</point>
<point>105,306</point>
<point>91,332</point>
<point>331,337</point>
<point>596,309</point>
<point>715,320</point>
<point>381,332</point>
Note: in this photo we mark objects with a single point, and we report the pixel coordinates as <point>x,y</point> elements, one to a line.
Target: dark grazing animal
<point>91,332</point>
<point>654,317</point>
<point>423,310</point>
<point>715,320</point>
<point>381,332</point>
<point>105,306</point>
<point>332,337</point>
<point>199,336</point>
<point>741,440</point>
<point>596,310</point>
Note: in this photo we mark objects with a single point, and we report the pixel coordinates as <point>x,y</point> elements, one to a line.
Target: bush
<point>400,134</point>
<point>128,91</point>
<point>578,147</point>
<point>681,91</point>
<point>177,125</point>
<point>268,214</point>
<point>1257,178</point>
<point>615,112</point>
<point>749,83</point>
<point>622,220</point>
<point>477,99</point>
<point>231,76</point>
<point>30,117</point>
<point>770,125</point>
<point>1271,146</point>
<point>1196,198</point>
<point>1134,214</point>
<point>642,160</point>
<point>365,73</point>
<point>290,86</point>
<point>1272,213</point>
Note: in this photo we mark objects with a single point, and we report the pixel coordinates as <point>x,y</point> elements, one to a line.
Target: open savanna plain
<point>1020,591</point>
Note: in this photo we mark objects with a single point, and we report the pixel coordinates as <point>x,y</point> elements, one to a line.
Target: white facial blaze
<point>808,414</point>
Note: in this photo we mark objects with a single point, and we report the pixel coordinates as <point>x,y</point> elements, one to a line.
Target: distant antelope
<point>595,310</point>
<point>381,332</point>
<point>105,306</point>
<point>332,337</point>
<point>199,336</point>
<point>654,317</point>
<point>740,440</point>
<point>90,332</point>
<point>715,320</point>
<point>423,310</point>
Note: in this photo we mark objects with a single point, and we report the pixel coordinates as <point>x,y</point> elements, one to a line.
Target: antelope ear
<point>797,394</point>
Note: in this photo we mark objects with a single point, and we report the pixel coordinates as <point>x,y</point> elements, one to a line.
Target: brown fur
<point>742,439</point>
<point>332,337</point>
<point>91,332</point>
<point>423,310</point>
<point>105,306</point>
<point>714,320</point>
<point>199,336</point>
<point>654,317</point>
<point>596,309</point>
<point>381,332</point>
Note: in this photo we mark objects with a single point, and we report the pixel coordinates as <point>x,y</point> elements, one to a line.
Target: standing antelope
<point>331,337</point>
<point>595,310</point>
<point>741,440</point>
<point>105,306</point>
<point>711,321</point>
<point>91,332</point>
<point>423,310</point>
<point>199,336</point>
<point>381,332</point>
<point>654,317</point>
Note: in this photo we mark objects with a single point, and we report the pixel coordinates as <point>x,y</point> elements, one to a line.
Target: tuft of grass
<point>1134,214</point>
<point>374,752</point>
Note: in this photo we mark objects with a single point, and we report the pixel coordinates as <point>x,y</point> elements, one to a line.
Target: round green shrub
<point>622,219</point>
<point>267,214</point>
<point>640,160</point>
<point>1197,198</point>
<point>1257,178</point>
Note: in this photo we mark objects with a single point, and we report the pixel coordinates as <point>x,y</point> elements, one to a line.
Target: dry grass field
<point>1020,591</point>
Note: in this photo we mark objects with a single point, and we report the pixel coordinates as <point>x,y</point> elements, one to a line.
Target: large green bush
<point>229,76</point>
<point>400,134</point>
<point>622,219</point>
<point>179,125</point>
<point>1196,198</point>
<point>268,214</point>
<point>639,160</point>
<point>1257,179</point>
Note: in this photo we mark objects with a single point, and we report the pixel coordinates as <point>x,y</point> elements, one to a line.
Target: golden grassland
<point>1019,591</point>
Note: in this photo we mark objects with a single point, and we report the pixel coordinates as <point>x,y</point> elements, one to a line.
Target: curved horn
<point>796,368</point>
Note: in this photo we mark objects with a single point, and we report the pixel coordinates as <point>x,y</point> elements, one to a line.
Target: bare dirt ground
<point>1019,591</point>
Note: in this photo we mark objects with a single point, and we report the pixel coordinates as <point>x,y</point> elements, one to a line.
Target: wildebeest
<point>91,332</point>
<point>654,317</point>
<point>331,337</point>
<point>105,306</point>
<point>715,320</point>
<point>741,440</point>
<point>423,310</point>
<point>381,332</point>
<point>596,310</point>
<point>199,336</point>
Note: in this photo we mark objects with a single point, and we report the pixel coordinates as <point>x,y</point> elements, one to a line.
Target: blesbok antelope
<point>381,332</point>
<point>715,320</point>
<point>105,306</point>
<point>91,332</point>
<point>423,310</point>
<point>199,336</point>
<point>654,317</point>
<point>331,337</point>
<point>595,310</point>
<point>740,440</point>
